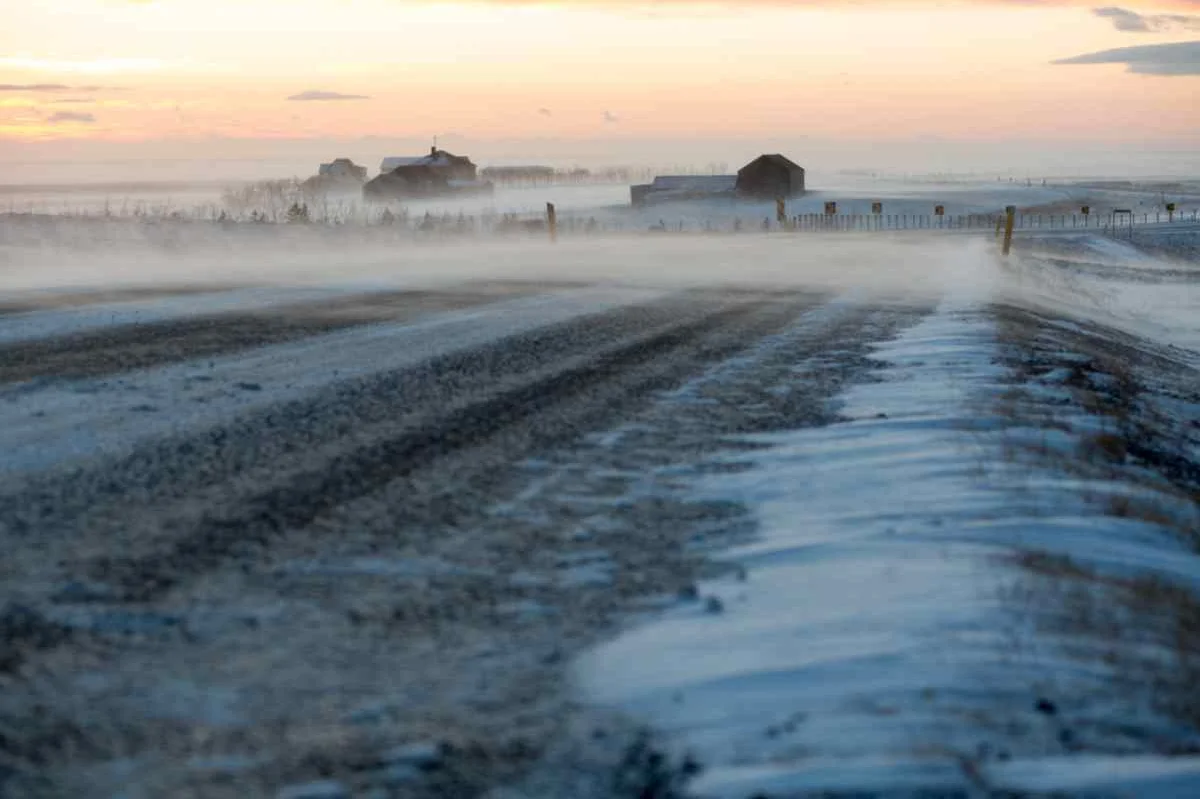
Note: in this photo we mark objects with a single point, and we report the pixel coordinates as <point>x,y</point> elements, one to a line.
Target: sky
<point>591,80</point>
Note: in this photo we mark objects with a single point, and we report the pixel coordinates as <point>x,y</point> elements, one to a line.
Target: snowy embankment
<point>872,645</point>
<point>1116,282</point>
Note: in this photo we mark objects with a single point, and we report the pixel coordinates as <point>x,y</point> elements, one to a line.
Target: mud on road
<point>407,558</point>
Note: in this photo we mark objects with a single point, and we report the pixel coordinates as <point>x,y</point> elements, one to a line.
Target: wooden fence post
<point>552,222</point>
<point>1010,213</point>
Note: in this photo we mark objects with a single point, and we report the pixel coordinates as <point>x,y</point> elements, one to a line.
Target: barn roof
<point>438,158</point>
<point>392,162</point>
<point>713,183</point>
<point>777,160</point>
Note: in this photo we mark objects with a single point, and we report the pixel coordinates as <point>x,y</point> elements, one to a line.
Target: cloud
<point>33,87</point>
<point>94,66</point>
<point>71,116</point>
<point>610,117</point>
<point>1132,22</point>
<point>71,101</point>
<point>50,88</point>
<point>546,112</point>
<point>318,96</point>
<point>1177,58</point>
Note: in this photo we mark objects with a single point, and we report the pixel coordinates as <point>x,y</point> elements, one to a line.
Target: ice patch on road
<point>869,647</point>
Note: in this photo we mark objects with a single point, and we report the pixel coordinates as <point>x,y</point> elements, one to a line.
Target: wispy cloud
<point>1129,21</point>
<point>52,87</point>
<point>546,112</point>
<point>34,87</point>
<point>319,96</point>
<point>93,66</point>
<point>611,118</point>
<point>61,117</point>
<point>1175,59</point>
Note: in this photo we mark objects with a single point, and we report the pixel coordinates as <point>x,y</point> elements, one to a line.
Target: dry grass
<point>1146,628</point>
<point>1093,402</point>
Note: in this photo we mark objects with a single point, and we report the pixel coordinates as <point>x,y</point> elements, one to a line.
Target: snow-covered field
<point>628,517</point>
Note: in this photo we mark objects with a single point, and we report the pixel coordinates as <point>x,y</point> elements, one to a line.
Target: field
<point>291,514</point>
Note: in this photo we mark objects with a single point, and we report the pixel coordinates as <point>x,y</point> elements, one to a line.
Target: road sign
<point>939,210</point>
<point>830,209</point>
<point>1085,210</point>
<point>877,208</point>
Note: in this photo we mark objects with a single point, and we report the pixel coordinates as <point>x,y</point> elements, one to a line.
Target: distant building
<point>668,188</point>
<point>437,174</point>
<point>342,169</point>
<point>339,174</point>
<point>766,177</point>
<point>453,167</point>
<point>770,176</point>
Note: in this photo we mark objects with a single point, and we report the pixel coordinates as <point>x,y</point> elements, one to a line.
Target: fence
<point>1103,223</point>
<point>893,222</point>
<point>571,222</point>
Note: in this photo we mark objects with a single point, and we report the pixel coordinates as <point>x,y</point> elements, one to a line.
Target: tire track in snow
<point>80,316</point>
<point>28,302</point>
<point>395,450</point>
<point>354,428</point>
<point>130,347</point>
<point>47,425</point>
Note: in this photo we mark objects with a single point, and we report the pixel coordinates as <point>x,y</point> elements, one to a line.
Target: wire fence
<point>278,208</point>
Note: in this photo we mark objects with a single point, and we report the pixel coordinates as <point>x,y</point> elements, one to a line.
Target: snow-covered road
<point>516,541</point>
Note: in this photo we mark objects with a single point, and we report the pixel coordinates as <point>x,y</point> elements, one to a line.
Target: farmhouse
<point>770,176</point>
<point>439,173</point>
<point>453,167</point>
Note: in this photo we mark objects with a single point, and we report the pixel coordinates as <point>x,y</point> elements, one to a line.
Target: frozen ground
<point>687,518</point>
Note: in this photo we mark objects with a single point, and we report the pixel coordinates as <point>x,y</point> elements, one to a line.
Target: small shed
<point>770,176</point>
<point>667,188</point>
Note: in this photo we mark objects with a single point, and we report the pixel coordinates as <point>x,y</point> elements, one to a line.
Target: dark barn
<point>770,176</point>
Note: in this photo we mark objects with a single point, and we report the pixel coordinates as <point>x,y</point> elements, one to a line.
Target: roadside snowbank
<point>1110,281</point>
<point>869,647</point>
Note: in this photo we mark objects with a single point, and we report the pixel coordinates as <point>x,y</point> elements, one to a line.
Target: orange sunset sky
<point>166,74</point>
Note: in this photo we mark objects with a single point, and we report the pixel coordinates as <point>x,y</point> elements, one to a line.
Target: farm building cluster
<point>436,174</point>
<point>440,174</point>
